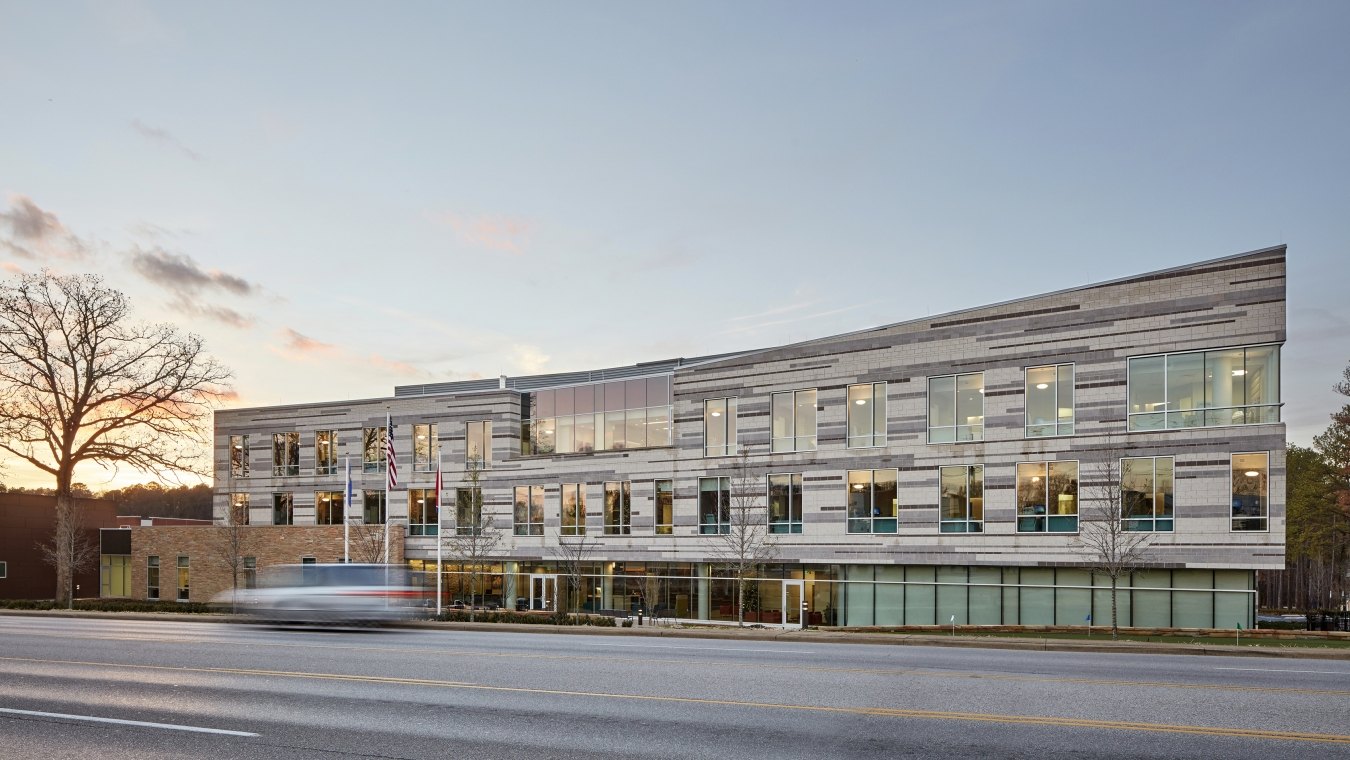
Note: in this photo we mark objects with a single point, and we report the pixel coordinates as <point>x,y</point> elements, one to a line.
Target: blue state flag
<point>1088,618</point>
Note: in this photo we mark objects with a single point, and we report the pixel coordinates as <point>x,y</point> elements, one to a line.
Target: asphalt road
<point>224,691</point>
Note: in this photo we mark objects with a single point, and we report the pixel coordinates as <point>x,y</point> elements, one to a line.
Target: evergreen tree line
<point>142,499</point>
<point>1317,528</point>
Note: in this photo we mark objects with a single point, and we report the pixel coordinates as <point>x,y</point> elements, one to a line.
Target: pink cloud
<point>505,234</point>
<point>303,344</point>
<point>402,368</point>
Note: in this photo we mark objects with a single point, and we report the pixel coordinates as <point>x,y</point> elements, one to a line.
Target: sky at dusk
<point>344,197</point>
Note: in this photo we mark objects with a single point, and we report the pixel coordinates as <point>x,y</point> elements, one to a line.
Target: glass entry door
<point>544,592</point>
<point>792,604</point>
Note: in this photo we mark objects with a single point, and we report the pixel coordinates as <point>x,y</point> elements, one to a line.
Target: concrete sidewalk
<point>830,635</point>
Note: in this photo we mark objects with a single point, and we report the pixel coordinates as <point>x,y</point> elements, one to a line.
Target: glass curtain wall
<point>609,416</point>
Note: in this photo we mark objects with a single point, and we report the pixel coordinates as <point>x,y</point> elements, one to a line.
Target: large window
<point>250,572</point>
<point>1049,399</point>
<point>873,501</point>
<point>609,416</point>
<point>956,408</point>
<point>325,452</point>
<point>785,503</point>
<point>664,495</point>
<point>285,453</point>
<point>238,509</point>
<point>1047,497</point>
<point>239,456</point>
<point>372,449</point>
<point>426,448</point>
<point>867,415</point>
<point>1237,386</point>
<point>372,507</point>
<point>529,511</point>
<point>468,511</point>
<point>574,509</point>
<point>618,508</point>
<point>329,508</point>
<point>1146,493</point>
<point>152,578</point>
<point>962,499</point>
<point>714,506</point>
<point>478,442</point>
<point>794,421</point>
<point>283,508</point>
<point>1251,488</point>
<point>424,512</point>
<point>719,427</point>
<point>184,578</point>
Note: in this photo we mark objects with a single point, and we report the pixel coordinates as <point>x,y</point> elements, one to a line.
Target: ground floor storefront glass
<point>855,595</point>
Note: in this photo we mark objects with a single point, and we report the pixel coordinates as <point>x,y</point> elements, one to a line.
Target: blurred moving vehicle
<point>331,594</point>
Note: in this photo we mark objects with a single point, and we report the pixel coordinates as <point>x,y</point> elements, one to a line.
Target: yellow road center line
<point>1040,720</point>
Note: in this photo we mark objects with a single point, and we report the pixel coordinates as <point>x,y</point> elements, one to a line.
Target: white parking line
<point>701,649</point>
<point>119,721</point>
<point>1281,670</point>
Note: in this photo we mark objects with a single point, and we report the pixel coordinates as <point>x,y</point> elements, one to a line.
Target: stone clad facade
<point>919,573</point>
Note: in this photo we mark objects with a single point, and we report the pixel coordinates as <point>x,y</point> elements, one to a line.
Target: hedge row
<point>106,605</point>
<point>507,616</point>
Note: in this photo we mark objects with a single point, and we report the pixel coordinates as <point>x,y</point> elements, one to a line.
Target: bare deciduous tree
<point>573,553</point>
<point>69,546</point>
<point>476,537</point>
<point>1110,547</point>
<point>233,542</point>
<point>365,542</point>
<point>81,382</point>
<point>745,543</point>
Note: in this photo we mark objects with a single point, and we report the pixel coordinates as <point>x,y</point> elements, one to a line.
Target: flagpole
<point>346,516</point>
<point>388,446</point>
<point>439,523</point>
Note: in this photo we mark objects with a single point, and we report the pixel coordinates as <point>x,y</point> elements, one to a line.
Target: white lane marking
<point>1281,670</point>
<point>700,649</point>
<point>119,721</point>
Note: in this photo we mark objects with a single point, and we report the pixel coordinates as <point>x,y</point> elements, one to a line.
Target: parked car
<point>333,594</point>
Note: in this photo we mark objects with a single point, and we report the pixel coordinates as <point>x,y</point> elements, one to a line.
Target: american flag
<point>389,456</point>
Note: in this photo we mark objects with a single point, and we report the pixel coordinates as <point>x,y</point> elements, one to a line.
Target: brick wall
<point>207,548</point>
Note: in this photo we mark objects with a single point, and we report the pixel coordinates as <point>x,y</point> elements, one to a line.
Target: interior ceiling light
<point>860,401</point>
<point>1239,372</point>
<point>1042,386</point>
<point>717,414</point>
<point>1251,473</point>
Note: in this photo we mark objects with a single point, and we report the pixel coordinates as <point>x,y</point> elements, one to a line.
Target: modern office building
<point>945,469</point>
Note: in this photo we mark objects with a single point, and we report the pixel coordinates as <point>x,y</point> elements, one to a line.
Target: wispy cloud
<point>303,344</point>
<point>181,276</point>
<point>178,273</point>
<point>505,234</point>
<point>398,367</point>
<point>11,267</point>
<point>37,234</point>
<point>162,138</point>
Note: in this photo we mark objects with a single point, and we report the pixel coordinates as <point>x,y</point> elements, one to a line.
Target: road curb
<point>966,641</point>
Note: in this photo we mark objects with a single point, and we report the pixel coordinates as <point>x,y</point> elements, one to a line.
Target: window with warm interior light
<point>962,499</point>
<point>1047,497</point>
<point>793,421</point>
<point>1251,490</point>
<point>1146,494</point>
<point>1049,400</point>
<point>529,510</point>
<point>873,501</point>
<point>1234,386</point>
<point>956,408</point>
<point>719,427</point>
<point>866,415</point>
